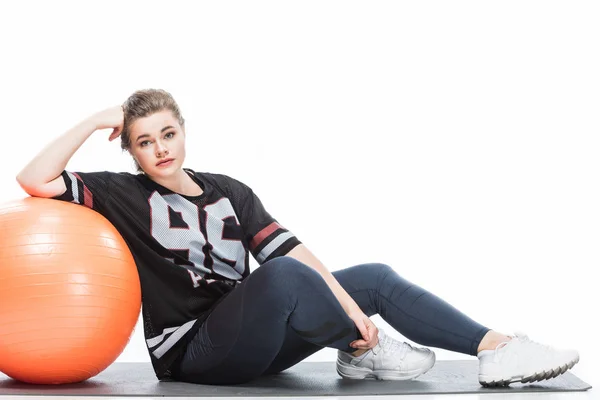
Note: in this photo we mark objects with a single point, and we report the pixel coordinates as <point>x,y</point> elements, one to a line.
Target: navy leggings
<point>284,311</point>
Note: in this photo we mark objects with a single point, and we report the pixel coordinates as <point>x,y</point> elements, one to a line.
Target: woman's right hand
<point>367,329</point>
<point>112,117</point>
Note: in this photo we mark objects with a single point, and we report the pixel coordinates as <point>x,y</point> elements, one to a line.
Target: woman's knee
<point>376,271</point>
<point>383,270</point>
<point>287,272</point>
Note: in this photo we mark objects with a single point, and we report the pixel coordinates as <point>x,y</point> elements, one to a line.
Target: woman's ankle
<point>491,340</point>
<point>359,352</point>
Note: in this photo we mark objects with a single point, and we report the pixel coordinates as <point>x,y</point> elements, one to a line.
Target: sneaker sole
<point>491,381</point>
<point>348,371</point>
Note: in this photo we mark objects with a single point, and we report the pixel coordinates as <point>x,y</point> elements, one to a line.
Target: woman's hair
<point>144,103</point>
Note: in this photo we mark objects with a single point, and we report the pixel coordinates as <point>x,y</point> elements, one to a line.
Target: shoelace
<point>391,345</point>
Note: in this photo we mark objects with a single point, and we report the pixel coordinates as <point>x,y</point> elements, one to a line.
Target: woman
<point>207,319</point>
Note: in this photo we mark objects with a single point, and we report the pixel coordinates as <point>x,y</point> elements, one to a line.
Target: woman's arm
<point>302,254</point>
<point>53,159</point>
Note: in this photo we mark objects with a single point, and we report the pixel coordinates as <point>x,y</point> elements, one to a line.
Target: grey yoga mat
<point>303,379</point>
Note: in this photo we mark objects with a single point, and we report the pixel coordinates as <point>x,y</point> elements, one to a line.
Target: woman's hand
<point>367,329</point>
<point>112,117</point>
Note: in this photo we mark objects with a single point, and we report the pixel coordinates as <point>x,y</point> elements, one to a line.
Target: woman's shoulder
<point>120,178</point>
<point>123,175</point>
<point>221,180</point>
<point>213,176</point>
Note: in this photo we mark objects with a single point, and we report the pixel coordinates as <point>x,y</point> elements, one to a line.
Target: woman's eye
<point>143,144</point>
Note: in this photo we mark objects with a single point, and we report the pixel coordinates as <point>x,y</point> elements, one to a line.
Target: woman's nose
<point>160,148</point>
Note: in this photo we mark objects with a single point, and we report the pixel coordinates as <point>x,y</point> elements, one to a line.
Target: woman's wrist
<point>91,122</point>
<point>352,308</point>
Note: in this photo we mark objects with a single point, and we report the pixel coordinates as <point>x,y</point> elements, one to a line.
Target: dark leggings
<point>284,311</point>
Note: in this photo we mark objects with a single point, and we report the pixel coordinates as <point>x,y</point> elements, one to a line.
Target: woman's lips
<point>165,164</point>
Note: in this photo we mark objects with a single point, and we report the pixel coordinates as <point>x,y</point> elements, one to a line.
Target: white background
<point>455,141</point>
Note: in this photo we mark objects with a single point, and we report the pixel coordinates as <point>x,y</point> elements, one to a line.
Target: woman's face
<point>157,138</point>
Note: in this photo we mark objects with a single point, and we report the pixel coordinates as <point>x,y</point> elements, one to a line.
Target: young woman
<point>207,319</point>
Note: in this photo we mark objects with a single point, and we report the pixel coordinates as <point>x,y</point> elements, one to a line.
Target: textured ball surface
<point>69,291</point>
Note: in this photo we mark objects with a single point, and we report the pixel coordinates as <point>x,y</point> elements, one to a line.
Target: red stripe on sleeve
<point>260,236</point>
<point>88,198</point>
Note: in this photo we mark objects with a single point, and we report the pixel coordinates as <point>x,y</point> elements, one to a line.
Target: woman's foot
<point>521,359</point>
<point>390,359</point>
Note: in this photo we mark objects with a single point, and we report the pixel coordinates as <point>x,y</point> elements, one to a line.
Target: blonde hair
<point>144,103</point>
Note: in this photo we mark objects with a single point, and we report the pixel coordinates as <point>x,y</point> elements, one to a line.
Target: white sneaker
<point>390,359</point>
<point>521,359</point>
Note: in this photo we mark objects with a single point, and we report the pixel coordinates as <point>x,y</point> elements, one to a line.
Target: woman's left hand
<point>367,329</point>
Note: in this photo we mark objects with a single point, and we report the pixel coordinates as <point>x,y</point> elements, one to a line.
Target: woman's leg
<point>411,310</point>
<point>244,333</point>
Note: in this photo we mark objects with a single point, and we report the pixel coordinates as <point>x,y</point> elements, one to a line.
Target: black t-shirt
<point>190,251</point>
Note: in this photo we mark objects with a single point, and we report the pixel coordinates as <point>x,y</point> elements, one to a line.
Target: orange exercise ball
<point>70,293</point>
